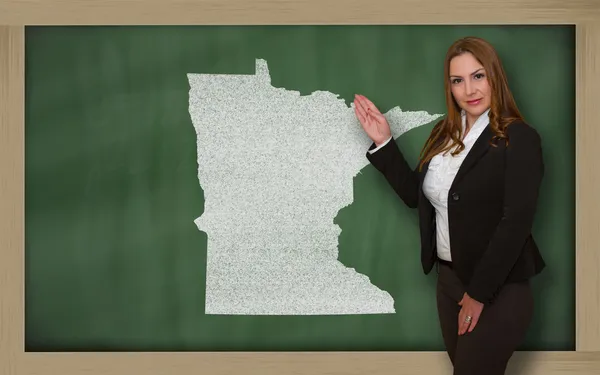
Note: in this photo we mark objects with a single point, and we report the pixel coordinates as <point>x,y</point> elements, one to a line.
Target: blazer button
<point>455,196</point>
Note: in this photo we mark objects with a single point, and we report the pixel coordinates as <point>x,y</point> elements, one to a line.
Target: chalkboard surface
<point>114,260</point>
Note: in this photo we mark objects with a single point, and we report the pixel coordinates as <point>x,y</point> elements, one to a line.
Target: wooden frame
<point>15,14</point>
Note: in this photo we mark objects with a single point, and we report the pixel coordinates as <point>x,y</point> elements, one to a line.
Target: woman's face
<point>470,87</point>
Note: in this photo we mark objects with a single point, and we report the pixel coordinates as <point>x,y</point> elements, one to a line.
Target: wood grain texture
<point>243,12</point>
<point>12,119</point>
<point>324,363</point>
<point>587,259</point>
<point>583,13</point>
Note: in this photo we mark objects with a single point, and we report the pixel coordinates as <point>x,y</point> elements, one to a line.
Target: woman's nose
<point>470,89</point>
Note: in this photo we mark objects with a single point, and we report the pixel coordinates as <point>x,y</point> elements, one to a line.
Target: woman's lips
<point>473,102</point>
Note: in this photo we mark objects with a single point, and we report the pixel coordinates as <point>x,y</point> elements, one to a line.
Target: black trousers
<point>502,325</point>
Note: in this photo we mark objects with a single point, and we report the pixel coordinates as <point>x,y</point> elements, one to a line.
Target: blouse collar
<point>482,120</point>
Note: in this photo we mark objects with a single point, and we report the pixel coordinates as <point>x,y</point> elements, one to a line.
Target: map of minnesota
<point>275,168</point>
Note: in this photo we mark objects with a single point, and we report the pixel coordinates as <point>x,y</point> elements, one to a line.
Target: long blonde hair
<point>447,133</point>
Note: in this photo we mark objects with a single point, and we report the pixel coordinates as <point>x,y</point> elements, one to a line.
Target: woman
<point>476,190</point>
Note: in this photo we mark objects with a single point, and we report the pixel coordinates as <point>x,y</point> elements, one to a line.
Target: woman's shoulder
<point>520,130</point>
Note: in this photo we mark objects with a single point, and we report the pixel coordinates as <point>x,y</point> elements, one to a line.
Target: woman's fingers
<point>470,309</point>
<point>372,121</point>
<point>359,113</point>
<point>474,322</point>
<point>369,108</point>
<point>369,105</point>
<point>363,114</point>
<point>360,106</point>
<point>463,324</point>
<point>364,104</point>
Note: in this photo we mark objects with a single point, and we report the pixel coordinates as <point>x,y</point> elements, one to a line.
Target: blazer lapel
<point>480,147</point>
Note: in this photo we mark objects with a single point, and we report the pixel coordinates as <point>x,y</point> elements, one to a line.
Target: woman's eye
<point>479,75</point>
<point>455,80</point>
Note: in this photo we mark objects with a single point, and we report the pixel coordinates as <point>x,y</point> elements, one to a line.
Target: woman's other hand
<point>469,314</point>
<point>372,121</point>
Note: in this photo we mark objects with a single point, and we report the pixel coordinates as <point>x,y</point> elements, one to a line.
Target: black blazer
<point>491,207</point>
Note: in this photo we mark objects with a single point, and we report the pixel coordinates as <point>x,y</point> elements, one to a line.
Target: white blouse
<point>440,175</point>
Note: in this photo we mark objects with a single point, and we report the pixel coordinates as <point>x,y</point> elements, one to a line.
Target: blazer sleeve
<point>524,170</point>
<point>391,163</point>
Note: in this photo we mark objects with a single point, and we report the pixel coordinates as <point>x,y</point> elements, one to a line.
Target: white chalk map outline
<point>276,167</point>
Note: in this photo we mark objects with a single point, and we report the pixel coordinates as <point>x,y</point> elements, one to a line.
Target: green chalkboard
<point>114,260</point>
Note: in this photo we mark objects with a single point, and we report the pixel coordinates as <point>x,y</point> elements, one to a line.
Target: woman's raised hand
<point>372,121</point>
